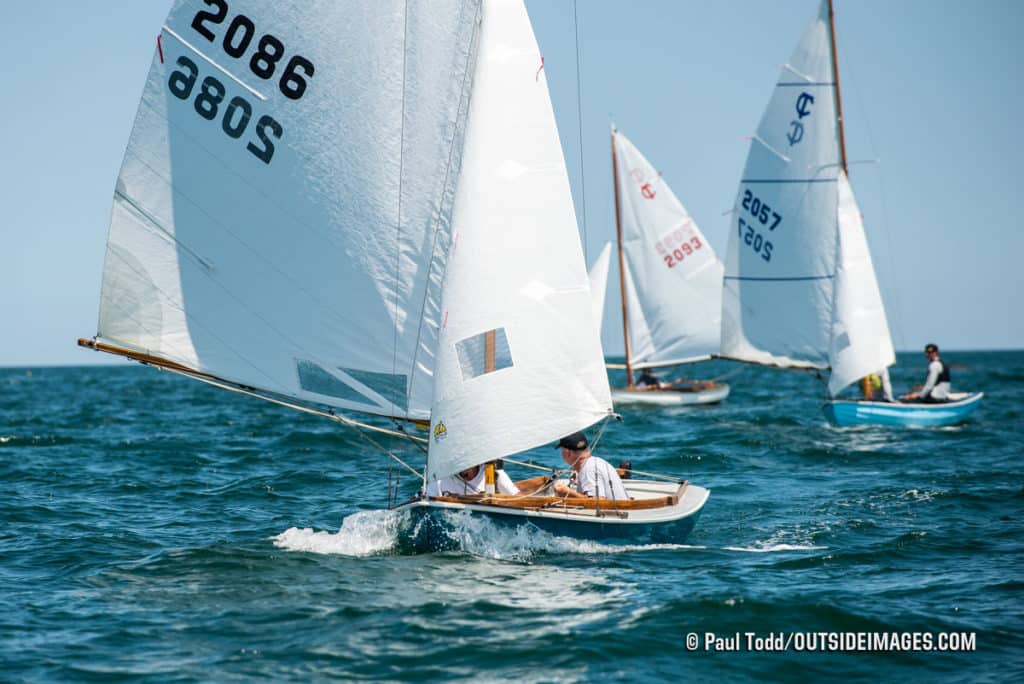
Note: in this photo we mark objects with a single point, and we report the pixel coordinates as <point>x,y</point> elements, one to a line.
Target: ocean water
<point>157,529</point>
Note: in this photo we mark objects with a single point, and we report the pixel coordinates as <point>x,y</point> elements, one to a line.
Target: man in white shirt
<point>471,481</point>
<point>937,386</point>
<point>592,475</point>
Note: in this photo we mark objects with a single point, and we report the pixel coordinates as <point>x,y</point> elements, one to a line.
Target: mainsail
<point>799,287</point>
<point>280,216</point>
<point>337,203</point>
<point>673,279</point>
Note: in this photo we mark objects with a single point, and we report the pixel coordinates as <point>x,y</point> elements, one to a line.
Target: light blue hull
<point>848,413</point>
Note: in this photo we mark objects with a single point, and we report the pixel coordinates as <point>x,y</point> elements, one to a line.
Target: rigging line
<point>579,121</point>
<point>359,428</point>
<point>461,111</point>
<point>886,229</point>
<point>398,221</point>
<point>604,425</point>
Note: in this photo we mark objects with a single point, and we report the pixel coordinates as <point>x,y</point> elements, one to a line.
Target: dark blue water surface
<point>159,529</point>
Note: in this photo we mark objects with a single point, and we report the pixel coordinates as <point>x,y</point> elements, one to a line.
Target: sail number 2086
<point>235,115</point>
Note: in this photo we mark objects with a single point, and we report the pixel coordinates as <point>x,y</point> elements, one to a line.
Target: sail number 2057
<point>755,240</point>
<point>763,214</point>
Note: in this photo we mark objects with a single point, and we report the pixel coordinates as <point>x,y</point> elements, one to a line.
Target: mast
<point>622,272</point>
<point>835,78</point>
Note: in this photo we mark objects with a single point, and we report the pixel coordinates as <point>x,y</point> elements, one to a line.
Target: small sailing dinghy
<point>800,289</point>
<point>670,283</point>
<point>374,221</point>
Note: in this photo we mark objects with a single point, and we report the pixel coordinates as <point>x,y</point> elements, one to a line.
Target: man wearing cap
<point>592,475</point>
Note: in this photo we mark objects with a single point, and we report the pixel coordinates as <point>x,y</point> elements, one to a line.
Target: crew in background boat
<point>591,475</point>
<point>471,481</point>
<point>937,387</point>
<point>648,380</point>
<point>880,386</point>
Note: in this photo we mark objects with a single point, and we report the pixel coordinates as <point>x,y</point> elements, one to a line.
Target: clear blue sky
<point>932,96</point>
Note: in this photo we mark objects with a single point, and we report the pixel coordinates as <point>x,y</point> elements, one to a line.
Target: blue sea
<point>159,529</point>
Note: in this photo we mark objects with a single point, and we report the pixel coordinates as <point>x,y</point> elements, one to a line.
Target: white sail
<point>519,361</point>
<point>800,289</point>
<point>673,277</point>
<point>599,283</point>
<point>281,214</point>
<point>861,343</point>
<point>780,265</point>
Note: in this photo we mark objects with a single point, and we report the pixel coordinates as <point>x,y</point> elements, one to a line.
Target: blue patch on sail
<point>842,342</point>
<point>314,378</point>
<point>394,388</point>
<point>474,352</point>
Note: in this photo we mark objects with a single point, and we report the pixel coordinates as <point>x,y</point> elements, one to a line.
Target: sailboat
<point>670,284</point>
<point>379,222</point>
<point>799,288</point>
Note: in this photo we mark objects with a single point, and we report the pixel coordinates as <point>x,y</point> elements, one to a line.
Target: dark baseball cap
<point>577,441</point>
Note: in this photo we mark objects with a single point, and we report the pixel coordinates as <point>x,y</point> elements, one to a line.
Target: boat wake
<point>367,533</point>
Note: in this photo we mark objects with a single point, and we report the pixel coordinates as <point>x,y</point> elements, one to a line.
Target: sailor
<point>880,385</point>
<point>591,474</point>
<point>648,380</point>
<point>471,481</point>
<point>937,386</point>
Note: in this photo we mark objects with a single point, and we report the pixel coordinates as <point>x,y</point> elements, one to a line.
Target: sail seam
<point>788,180</point>
<point>781,278</point>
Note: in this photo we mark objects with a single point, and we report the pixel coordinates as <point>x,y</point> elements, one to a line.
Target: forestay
<point>673,277</point>
<point>519,359</point>
<point>281,217</point>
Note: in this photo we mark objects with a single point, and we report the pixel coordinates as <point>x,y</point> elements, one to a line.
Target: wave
<point>763,547</point>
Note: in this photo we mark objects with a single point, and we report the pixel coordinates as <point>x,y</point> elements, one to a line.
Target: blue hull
<point>849,413</point>
<point>433,529</point>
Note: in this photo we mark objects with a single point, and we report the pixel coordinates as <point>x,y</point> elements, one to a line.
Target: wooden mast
<point>622,272</point>
<point>865,382</point>
<point>835,79</point>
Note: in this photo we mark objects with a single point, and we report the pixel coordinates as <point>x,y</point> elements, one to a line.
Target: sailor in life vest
<point>937,387</point>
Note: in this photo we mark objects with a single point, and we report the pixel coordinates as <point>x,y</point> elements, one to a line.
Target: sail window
<point>393,388</point>
<point>484,353</point>
<point>313,378</point>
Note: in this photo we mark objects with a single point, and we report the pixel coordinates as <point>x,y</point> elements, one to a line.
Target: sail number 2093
<point>234,116</point>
